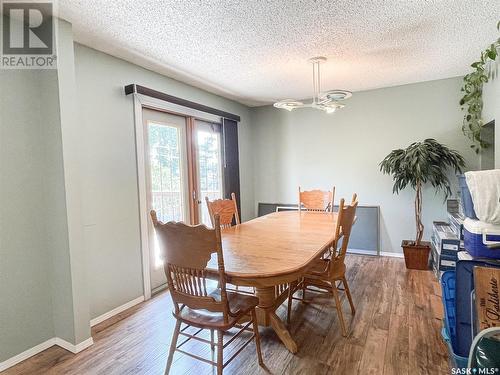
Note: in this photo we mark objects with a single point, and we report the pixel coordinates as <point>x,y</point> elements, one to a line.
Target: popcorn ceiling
<point>256,51</point>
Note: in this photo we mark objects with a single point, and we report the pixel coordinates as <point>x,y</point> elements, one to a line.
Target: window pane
<point>166,172</point>
<point>209,169</point>
<point>165,167</point>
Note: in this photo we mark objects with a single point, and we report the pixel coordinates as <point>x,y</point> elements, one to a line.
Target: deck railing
<point>168,204</point>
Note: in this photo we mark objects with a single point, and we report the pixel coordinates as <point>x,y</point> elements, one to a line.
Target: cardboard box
<point>487,290</point>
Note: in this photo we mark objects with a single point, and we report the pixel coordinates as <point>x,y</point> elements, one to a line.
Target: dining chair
<point>316,200</point>
<point>227,209</point>
<point>354,198</point>
<point>327,273</point>
<point>198,301</point>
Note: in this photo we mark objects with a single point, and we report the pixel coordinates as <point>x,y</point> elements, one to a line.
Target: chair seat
<point>318,267</point>
<point>239,305</point>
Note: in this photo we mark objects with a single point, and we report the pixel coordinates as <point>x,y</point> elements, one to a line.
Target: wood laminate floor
<point>396,330</point>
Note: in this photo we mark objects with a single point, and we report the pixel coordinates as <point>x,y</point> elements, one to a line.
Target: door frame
<point>141,101</point>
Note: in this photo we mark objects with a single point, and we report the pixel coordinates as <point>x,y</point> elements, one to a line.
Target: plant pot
<point>416,257</point>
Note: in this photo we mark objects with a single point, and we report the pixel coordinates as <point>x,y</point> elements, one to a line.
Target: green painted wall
<point>69,225</point>
<point>71,153</point>
<point>55,209</point>
<point>109,175</point>
<point>42,291</point>
<point>25,148</point>
<point>315,150</point>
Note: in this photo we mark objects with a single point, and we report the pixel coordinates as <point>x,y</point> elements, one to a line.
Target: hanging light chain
<point>316,81</point>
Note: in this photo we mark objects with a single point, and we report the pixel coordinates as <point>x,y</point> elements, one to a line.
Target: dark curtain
<point>231,160</point>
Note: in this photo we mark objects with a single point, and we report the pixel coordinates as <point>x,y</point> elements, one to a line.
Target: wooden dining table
<point>271,253</point>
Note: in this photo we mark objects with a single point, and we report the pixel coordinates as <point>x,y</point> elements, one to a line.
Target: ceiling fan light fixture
<point>327,101</point>
<point>288,104</point>
<point>329,107</point>
<point>336,95</point>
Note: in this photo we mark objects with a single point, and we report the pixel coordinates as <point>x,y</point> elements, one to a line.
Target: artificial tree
<point>422,163</point>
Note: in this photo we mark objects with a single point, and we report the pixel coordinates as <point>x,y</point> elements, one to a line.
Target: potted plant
<point>421,163</point>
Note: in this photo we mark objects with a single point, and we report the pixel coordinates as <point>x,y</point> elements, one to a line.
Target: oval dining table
<point>272,252</point>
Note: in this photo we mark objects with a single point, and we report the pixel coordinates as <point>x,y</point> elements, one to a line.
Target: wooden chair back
<point>316,200</point>
<point>227,209</point>
<point>354,198</point>
<point>345,221</point>
<point>186,251</point>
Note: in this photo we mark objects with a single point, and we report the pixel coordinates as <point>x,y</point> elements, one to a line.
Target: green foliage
<point>163,142</point>
<point>472,101</point>
<point>422,163</point>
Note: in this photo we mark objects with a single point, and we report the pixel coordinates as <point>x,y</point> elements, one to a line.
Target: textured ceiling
<point>256,51</point>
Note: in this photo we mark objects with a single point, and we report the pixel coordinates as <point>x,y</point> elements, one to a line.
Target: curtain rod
<point>133,88</point>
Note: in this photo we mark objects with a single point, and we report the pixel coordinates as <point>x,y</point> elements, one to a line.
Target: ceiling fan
<point>328,101</point>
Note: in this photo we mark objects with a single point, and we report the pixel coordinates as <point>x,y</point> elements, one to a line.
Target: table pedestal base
<point>270,298</point>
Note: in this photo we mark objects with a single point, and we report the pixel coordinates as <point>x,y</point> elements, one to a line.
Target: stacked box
<point>453,205</point>
<point>464,255</point>
<point>445,240</point>
<point>458,207</point>
<point>441,264</point>
<point>445,247</point>
<point>456,217</point>
<point>456,224</point>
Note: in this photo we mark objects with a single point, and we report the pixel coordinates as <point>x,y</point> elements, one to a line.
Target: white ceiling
<point>256,51</point>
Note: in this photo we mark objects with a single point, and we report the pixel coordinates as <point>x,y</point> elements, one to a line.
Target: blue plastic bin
<point>449,331</point>
<point>467,203</point>
<point>456,360</point>
<point>448,290</point>
<point>464,284</point>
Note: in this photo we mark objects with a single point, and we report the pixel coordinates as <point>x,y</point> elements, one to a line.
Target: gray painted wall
<point>25,281</point>
<point>109,176</point>
<point>491,111</point>
<point>315,150</point>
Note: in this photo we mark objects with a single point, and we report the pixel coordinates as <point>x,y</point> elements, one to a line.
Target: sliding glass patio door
<point>167,182</point>
<point>183,157</point>
<point>208,156</point>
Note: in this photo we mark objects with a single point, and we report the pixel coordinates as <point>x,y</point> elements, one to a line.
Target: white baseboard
<point>44,346</point>
<point>361,252</point>
<point>71,347</point>
<point>394,255</point>
<point>65,344</point>
<point>115,311</point>
<point>84,345</point>
<point>159,289</point>
<point>26,354</point>
<point>382,253</point>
